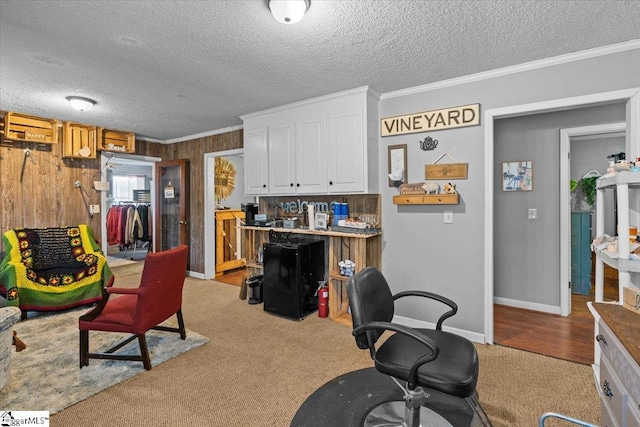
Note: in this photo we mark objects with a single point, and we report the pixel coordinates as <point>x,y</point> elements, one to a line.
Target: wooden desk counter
<point>365,249</point>
<point>312,232</point>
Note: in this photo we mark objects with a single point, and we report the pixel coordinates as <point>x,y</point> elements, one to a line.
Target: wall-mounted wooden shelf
<point>79,141</point>
<point>117,141</point>
<point>427,199</point>
<point>21,127</point>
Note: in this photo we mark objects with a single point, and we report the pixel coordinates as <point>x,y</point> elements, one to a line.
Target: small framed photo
<point>517,176</point>
<point>321,221</point>
<point>397,164</point>
<point>169,192</point>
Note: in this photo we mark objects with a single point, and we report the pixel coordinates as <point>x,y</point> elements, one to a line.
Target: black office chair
<point>427,358</point>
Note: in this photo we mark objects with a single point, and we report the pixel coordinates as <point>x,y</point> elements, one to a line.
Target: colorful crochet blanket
<point>48,269</point>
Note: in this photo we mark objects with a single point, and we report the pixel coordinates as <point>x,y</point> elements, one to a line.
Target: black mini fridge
<point>291,275</point>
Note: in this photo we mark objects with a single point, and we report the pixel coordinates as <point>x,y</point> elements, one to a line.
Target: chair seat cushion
<point>455,371</point>
<point>117,316</point>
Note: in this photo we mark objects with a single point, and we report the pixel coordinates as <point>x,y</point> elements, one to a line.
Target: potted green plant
<point>588,187</point>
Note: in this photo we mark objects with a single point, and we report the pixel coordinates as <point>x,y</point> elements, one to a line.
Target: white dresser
<point>617,364</point>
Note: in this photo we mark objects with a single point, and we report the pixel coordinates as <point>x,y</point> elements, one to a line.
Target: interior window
<point>123,186</point>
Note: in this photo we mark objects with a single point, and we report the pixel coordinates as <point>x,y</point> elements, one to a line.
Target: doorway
<point>632,99</point>
<point>580,141</point>
<point>130,183</point>
<point>234,201</point>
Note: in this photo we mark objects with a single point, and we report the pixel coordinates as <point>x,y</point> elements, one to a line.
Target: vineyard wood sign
<point>446,118</point>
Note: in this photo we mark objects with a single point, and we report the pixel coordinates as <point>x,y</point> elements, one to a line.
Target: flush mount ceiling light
<point>80,103</point>
<point>288,11</point>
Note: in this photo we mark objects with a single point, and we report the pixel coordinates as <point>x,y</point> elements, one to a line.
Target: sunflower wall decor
<point>224,179</point>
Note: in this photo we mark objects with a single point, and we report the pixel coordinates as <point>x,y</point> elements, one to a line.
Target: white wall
<point>419,251</point>
<point>237,197</point>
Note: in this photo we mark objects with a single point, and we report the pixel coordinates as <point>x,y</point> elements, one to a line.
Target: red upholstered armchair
<point>136,310</point>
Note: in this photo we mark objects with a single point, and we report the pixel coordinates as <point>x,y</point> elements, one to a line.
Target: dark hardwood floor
<point>568,338</point>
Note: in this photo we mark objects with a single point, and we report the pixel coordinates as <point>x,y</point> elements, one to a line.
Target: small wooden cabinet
<point>228,240</point>
<point>25,128</point>
<point>427,199</point>
<point>79,141</point>
<point>115,140</point>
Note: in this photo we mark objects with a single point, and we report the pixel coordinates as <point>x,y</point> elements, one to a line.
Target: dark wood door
<point>172,204</point>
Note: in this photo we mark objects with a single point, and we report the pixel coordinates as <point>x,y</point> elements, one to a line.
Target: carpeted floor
<point>46,375</point>
<point>259,368</point>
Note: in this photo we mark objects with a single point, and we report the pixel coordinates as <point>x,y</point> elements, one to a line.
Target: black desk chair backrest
<point>429,358</point>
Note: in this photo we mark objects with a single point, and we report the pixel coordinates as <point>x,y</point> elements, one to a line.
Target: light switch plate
<point>448,217</point>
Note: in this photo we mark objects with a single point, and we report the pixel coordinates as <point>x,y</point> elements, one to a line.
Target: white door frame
<point>565,198</point>
<point>105,158</point>
<point>631,96</point>
<point>209,214</point>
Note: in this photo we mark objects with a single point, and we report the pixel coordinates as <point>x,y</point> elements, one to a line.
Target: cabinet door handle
<point>291,184</point>
<point>606,389</point>
<point>330,182</point>
<point>264,185</point>
<point>298,185</point>
<point>601,338</point>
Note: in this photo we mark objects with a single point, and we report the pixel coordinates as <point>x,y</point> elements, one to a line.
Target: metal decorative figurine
<point>429,144</point>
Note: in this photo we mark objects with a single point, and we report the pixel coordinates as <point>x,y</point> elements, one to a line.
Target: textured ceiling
<point>170,69</point>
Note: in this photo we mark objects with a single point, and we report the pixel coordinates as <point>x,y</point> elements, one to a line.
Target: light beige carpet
<point>259,368</point>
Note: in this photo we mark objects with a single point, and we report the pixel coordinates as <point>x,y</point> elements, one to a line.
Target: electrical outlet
<point>533,214</point>
<point>448,217</point>
<point>94,209</point>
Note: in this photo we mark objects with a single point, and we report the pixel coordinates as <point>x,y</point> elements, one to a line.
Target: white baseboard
<point>552,309</point>
<point>413,323</point>
<point>195,274</point>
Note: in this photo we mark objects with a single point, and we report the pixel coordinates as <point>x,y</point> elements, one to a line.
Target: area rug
<point>127,269</point>
<point>117,262</point>
<point>46,375</point>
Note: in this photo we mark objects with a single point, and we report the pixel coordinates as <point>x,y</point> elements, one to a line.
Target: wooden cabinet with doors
<point>172,204</point>
<point>229,252</point>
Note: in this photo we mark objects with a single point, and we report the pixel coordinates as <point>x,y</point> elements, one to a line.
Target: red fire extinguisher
<point>323,299</point>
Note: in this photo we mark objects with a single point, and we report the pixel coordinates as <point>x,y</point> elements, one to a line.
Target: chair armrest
<point>431,295</point>
<point>412,381</point>
<point>129,291</point>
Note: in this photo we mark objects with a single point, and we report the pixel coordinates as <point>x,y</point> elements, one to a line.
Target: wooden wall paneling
<point>47,197</point>
<point>194,151</point>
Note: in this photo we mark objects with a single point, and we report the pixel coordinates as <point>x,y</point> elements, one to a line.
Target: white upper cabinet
<point>256,166</point>
<point>346,152</point>
<point>321,146</point>
<point>311,155</point>
<point>282,159</point>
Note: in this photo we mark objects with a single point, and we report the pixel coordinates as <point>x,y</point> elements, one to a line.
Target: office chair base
<point>392,414</point>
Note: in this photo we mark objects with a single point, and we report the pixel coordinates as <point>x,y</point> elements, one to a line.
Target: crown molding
<point>191,137</point>
<point>528,66</point>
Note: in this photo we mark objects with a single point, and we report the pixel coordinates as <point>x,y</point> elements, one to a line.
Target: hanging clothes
<point>126,225</point>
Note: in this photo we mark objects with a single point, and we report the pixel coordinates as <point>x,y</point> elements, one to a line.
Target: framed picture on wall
<point>517,176</point>
<point>397,164</point>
